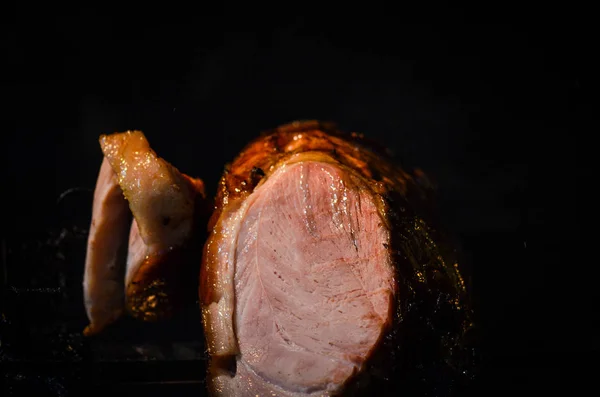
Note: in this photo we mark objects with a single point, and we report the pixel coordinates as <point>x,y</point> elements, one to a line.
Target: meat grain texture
<point>324,273</point>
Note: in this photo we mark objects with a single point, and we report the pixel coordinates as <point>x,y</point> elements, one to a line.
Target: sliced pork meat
<point>103,280</point>
<point>162,255</point>
<point>321,273</point>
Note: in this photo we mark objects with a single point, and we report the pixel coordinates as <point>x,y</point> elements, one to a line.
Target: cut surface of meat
<point>321,275</point>
<point>313,280</point>
<point>103,280</point>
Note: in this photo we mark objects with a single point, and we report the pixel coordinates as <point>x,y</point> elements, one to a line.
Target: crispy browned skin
<point>432,311</point>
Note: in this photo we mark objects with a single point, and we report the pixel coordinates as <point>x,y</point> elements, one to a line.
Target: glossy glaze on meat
<point>150,279</point>
<point>322,273</point>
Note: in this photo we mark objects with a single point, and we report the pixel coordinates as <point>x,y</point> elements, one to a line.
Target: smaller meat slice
<point>166,206</point>
<point>103,280</point>
<point>160,197</point>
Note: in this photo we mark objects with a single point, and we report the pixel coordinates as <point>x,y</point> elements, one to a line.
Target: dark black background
<point>493,112</point>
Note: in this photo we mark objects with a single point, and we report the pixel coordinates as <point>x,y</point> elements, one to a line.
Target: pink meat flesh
<point>132,180</point>
<point>313,282</point>
<point>103,281</point>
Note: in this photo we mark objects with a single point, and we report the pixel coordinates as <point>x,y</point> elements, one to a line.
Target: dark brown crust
<point>352,150</point>
<point>166,281</point>
<point>432,311</point>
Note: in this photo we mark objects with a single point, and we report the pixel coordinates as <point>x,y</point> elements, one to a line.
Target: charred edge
<point>256,174</point>
<point>432,311</point>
